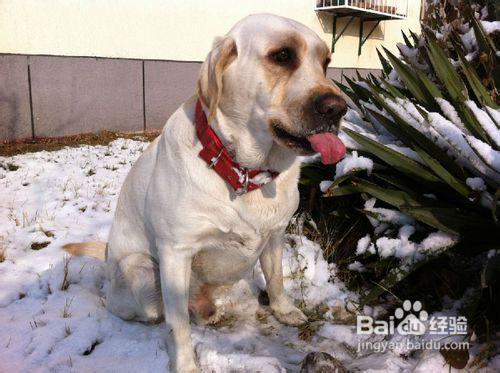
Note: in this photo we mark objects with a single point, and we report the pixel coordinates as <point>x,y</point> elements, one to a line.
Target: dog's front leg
<point>175,273</point>
<point>271,263</point>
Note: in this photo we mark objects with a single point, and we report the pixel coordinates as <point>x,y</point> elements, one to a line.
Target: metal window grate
<point>366,10</point>
<point>389,9</point>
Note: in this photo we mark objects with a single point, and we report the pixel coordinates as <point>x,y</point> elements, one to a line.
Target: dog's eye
<point>283,56</point>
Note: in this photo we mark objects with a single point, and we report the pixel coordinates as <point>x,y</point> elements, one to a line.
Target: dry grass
<point>482,358</point>
<point>315,319</point>
<point>67,330</point>
<point>21,146</point>
<point>2,251</point>
<point>66,313</point>
<point>227,320</point>
<point>39,245</point>
<point>65,282</point>
<point>9,166</point>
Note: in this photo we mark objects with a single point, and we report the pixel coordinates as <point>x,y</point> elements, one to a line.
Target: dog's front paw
<point>192,369</point>
<point>182,360</point>
<point>186,367</point>
<point>289,315</point>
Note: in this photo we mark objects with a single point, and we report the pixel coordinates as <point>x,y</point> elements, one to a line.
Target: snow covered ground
<point>52,310</point>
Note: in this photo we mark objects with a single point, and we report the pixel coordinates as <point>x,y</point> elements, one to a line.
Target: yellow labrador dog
<point>215,191</point>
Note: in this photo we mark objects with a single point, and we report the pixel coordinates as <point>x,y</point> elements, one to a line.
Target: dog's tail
<point>94,249</point>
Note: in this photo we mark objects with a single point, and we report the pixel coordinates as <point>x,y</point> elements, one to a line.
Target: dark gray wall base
<point>72,95</point>
<point>15,117</point>
<point>167,85</point>
<point>45,96</point>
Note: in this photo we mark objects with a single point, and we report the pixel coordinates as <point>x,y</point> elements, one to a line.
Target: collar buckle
<point>215,160</point>
<point>243,189</point>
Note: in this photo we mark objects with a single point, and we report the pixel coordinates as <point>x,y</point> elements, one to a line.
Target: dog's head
<point>270,73</point>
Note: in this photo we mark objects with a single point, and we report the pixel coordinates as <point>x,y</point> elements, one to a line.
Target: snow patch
<point>325,185</point>
<point>490,27</point>
<point>476,183</point>
<point>353,162</point>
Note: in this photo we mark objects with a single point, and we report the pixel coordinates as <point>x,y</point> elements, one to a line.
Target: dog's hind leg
<point>134,289</point>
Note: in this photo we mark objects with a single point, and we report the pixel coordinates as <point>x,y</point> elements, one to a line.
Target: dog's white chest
<point>229,259</point>
<point>243,230</point>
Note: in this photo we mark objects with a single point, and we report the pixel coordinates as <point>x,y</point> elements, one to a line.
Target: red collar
<point>242,179</point>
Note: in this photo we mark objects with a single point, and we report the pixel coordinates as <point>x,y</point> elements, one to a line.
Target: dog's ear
<point>210,79</point>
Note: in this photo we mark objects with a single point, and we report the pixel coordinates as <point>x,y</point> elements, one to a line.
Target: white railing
<point>397,8</point>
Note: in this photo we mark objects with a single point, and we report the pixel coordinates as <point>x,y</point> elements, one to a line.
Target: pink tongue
<point>332,149</point>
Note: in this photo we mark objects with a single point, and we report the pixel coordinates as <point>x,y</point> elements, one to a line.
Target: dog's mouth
<point>323,140</point>
<point>290,140</point>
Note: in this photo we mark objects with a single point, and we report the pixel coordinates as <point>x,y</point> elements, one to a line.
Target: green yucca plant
<point>429,129</point>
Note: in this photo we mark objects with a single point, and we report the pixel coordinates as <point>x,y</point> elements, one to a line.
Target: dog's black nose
<point>330,105</point>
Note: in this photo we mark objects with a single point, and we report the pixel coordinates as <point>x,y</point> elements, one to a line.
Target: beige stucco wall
<point>167,29</point>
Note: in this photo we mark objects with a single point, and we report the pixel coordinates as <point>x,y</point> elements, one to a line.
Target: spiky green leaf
<point>394,197</point>
<point>445,70</point>
<point>385,65</point>
<point>412,82</point>
<point>479,90</point>
<point>392,89</point>
<point>395,159</point>
<point>411,136</point>
<point>443,173</point>
<point>406,40</point>
<point>456,221</point>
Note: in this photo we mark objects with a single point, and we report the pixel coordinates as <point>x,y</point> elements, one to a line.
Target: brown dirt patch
<point>21,146</point>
